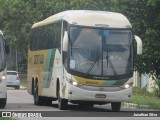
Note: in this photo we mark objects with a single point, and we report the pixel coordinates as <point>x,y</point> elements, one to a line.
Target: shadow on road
<point>74,107</point>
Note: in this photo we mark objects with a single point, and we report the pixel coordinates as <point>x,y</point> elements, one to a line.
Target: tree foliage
<point>17,17</point>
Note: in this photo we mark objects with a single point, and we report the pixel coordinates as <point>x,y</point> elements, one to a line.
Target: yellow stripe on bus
<point>93,82</point>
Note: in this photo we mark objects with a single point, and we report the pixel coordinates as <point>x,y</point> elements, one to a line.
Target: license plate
<point>100,95</point>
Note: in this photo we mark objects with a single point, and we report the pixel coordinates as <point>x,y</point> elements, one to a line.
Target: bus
<point>83,57</point>
<point>3,91</point>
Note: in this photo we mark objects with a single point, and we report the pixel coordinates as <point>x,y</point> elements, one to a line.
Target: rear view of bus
<point>3,93</point>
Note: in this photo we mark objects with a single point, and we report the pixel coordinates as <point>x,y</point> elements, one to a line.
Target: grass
<point>142,97</point>
<point>23,80</point>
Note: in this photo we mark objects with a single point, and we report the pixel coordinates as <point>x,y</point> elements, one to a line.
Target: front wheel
<point>116,106</point>
<point>62,103</point>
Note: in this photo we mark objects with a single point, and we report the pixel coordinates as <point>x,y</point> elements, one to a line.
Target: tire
<point>116,106</point>
<point>3,102</point>
<point>38,100</point>
<point>62,103</point>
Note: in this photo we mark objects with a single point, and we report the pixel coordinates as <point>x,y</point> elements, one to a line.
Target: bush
<point>157,88</point>
<point>143,97</point>
<point>137,91</point>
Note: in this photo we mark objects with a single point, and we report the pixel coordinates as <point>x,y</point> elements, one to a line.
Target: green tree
<point>145,16</point>
<point>17,17</point>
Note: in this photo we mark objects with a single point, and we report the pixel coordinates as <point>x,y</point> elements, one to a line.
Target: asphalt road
<point>21,101</point>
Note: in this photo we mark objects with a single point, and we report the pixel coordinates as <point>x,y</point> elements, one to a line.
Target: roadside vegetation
<point>142,97</point>
<point>23,80</point>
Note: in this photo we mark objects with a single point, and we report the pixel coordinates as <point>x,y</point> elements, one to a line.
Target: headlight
<point>73,82</point>
<point>3,77</point>
<point>127,85</point>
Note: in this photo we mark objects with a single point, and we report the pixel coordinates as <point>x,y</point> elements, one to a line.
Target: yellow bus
<point>3,91</point>
<point>82,57</point>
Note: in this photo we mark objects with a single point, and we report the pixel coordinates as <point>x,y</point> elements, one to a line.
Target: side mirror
<point>65,41</point>
<point>139,45</point>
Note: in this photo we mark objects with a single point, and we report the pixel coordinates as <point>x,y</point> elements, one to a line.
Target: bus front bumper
<point>75,93</point>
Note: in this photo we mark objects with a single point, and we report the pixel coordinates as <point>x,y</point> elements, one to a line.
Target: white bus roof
<point>89,18</point>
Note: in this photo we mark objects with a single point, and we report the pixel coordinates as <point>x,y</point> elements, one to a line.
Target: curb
<point>133,106</point>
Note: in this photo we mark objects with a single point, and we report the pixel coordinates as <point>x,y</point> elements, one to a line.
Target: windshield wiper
<point>93,64</point>
<point>109,60</point>
<point>112,66</point>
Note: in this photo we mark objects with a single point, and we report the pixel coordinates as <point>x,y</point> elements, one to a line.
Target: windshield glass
<point>2,55</point>
<point>100,51</point>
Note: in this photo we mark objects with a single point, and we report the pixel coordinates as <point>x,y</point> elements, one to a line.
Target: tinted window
<point>46,37</point>
<point>100,52</point>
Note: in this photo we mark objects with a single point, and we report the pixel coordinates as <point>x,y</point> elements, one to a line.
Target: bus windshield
<point>104,52</point>
<point>2,55</point>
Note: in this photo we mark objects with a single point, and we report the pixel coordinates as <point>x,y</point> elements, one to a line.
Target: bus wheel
<point>37,99</point>
<point>116,106</point>
<point>3,102</point>
<point>62,103</point>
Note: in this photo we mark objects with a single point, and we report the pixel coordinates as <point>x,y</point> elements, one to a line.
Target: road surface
<point>21,101</point>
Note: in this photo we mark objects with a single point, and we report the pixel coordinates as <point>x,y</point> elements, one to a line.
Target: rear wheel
<point>3,102</point>
<point>62,103</point>
<point>116,106</point>
<point>38,100</point>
